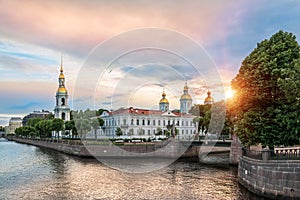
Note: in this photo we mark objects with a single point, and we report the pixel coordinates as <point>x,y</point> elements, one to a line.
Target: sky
<point>106,56</point>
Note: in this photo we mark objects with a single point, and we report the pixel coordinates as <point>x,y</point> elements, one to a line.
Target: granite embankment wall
<point>276,179</point>
<point>80,150</point>
<point>72,149</point>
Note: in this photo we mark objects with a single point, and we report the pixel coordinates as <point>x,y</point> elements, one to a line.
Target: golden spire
<point>163,94</point>
<point>61,64</point>
<point>61,68</point>
<point>185,87</point>
<point>61,79</point>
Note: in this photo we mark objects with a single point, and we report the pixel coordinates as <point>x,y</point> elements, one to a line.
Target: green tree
<point>100,121</point>
<point>33,121</point>
<point>119,131</point>
<point>26,131</point>
<point>266,100</point>
<point>100,111</point>
<point>95,125</point>
<point>57,125</point>
<point>43,128</point>
<point>158,131</point>
<point>83,126</point>
<point>70,126</point>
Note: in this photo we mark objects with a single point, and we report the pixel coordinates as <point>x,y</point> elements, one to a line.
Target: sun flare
<point>229,93</point>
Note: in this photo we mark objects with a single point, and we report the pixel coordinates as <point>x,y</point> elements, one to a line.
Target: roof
<point>139,111</point>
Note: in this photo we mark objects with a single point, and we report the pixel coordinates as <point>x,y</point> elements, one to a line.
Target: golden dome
<point>62,90</point>
<point>186,96</point>
<point>208,99</point>
<point>61,75</point>
<point>164,100</point>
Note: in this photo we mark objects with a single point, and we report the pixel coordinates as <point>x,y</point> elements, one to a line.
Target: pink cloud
<point>79,25</point>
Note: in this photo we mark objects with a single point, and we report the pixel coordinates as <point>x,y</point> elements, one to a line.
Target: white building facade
<point>148,123</point>
<point>142,122</point>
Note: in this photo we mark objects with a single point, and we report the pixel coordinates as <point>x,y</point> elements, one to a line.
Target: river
<point>29,172</point>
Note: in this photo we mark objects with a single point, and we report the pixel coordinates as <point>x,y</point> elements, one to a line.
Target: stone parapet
<point>276,179</point>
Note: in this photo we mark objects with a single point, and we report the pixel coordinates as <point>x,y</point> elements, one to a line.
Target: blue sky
<point>33,35</point>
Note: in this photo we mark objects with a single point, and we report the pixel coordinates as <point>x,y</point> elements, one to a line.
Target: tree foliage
<point>266,103</point>
<point>119,131</point>
<point>26,131</point>
<point>57,125</point>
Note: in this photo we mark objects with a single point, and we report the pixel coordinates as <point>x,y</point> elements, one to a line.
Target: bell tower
<point>62,109</point>
<point>185,100</point>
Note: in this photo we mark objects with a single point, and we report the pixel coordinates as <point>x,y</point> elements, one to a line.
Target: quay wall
<point>72,149</point>
<point>275,179</point>
<point>82,151</point>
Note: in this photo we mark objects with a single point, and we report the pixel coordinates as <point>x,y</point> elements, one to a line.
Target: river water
<point>28,172</point>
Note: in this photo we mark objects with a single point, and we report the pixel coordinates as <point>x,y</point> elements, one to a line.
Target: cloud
<point>33,35</point>
<point>80,25</point>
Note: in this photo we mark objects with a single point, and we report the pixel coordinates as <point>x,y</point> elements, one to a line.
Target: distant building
<point>62,109</point>
<point>144,122</point>
<point>14,123</point>
<point>148,123</point>
<point>36,114</point>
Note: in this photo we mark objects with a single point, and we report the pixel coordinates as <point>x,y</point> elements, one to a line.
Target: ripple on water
<point>28,172</point>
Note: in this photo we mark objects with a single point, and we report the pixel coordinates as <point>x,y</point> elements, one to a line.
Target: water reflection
<point>28,172</point>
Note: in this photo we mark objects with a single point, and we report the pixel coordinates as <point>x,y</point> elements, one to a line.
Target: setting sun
<point>229,93</point>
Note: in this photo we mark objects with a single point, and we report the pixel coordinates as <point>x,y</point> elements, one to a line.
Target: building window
<point>164,121</point>
<point>148,132</point>
<point>63,116</point>
<point>124,122</point>
<point>159,122</point>
<point>137,122</point>
<point>63,102</point>
<point>143,122</point>
<point>153,132</point>
<point>154,122</point>
<point>132,121</point>
<point>149,123</point>
<point>187,123</point>
<point>191,123</point>
<point>182,124</point>
<point>182,132</point>
<point>186,131</point>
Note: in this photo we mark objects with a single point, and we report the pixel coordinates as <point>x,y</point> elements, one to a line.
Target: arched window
<point>63,116</point>
<point>63,101</point>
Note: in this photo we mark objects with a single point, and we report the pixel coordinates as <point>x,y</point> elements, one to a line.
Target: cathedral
<point>62,109</point>
<point>145,122</point>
